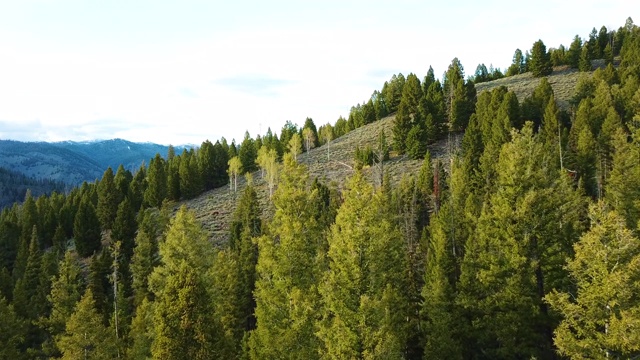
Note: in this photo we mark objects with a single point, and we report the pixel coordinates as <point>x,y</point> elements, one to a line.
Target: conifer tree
<point>441,324</point>
<point>11,332</point>
<point>98,283</point>
<point>584,64</point>
<point>207,164</point>
<point>156,190</point>
<point>141,331</point>
<point>86,228</point>
<point>364,310</point>
<point>142,263</point>
<point>122,181</point>
<point>287,273</point>
<point>187,242</point>
<point>173,178</point>
<point>108,200</point>
<point>85,335</point>
<point>190,178</point>
<point>540,62</point>
<point>248,153</point>
<point>575,49</point>
<point>513,258</point>
<point>623,187</point>
<point>66,291</point>
<point>124,228</point>
<point>183,324</point>
<point>602,314</point>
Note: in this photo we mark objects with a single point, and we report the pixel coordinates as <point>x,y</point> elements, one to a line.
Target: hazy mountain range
<point>73,162</point>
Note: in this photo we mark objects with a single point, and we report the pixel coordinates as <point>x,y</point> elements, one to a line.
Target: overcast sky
<point>185,71</point>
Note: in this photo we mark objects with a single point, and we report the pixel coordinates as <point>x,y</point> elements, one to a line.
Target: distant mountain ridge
<point>74,162</point>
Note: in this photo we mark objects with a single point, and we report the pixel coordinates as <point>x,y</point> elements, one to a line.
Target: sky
<point>181,72</point>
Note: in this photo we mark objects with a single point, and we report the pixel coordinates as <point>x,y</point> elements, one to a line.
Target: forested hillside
<point>441,220</point>
<point>74,162</point>
<point>14,186</point>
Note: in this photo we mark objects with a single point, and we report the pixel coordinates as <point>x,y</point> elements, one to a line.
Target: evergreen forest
<point>521,242</point>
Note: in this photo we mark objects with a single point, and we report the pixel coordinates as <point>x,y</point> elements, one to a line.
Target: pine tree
<point>584,63</point>
<point>185,242</point>
<point>575,49</point>
<point>98,283</point>
<point>540,63</point>
<point>66,291</point>
<point>108,200</point>
<point>173,178</point>
<point>514,258</point>
<point>124,228</point>
<point>85,334</point>
<point>183,324</point>
<point>601,315</point>
<point>142,263</point>
<point>441,323</point>
<point>190,179</point>
<point>248,153</point>
<point>287,273</point>
<point>86,228</point>
<point>122,181</point>
<point>363,303</point>
<point>11,332</point>
<point>623,187</point>
<point>141,331</point>
<point>156,190</point>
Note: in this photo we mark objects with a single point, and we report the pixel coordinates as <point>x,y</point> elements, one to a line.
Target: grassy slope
<point>563,83</point>
<point>215,208</point>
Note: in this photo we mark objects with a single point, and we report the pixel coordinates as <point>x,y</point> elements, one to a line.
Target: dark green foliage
<point>518,65</point>
<point>125,227</point>
<point>85,334</point>
<point>108,199</point>
<point>599,316</point>
<point>248,154</point>
<point>156,190</point>
<point>416,142</point>
<point>363,157</point>
<point>190,177</point>
<point>459,96</point>
<point>184,328</point>
<point>11,332</point>
<point>558,56</point>
<point>99,284</point>
<point>173,178</point>
<point>575,49</point>
<point>540,62</point>
<point>207,165</point>
<point>584,63</point>
<point>533,107</point>
<point>86,229</point>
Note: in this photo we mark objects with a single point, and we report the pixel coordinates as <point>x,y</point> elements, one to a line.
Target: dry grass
<point>563,82</point>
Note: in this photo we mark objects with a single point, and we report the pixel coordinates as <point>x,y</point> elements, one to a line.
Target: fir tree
<point>183,324</point>
<point>363,304</point>
<point>156,190</point>
<point>602,314</point>
<point>286,273</point>
<point>86,228</point>
<point>108,200</point>
<point>85,335</point>
<point>540,63</point>
<point>11,332</point>
<point>66,291</point>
